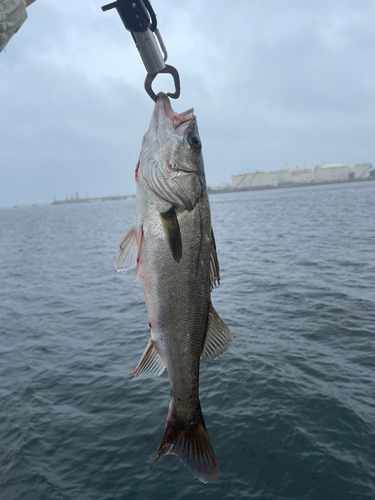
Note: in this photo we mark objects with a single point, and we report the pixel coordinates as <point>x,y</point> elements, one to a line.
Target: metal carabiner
<point>139,18</point>
<point>176,77</point>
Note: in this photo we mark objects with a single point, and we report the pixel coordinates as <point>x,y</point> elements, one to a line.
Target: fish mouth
<point>166,121</point>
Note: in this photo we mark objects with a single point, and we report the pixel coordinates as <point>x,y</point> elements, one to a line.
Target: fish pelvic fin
<point>189,441</point>
<point>129,253</point>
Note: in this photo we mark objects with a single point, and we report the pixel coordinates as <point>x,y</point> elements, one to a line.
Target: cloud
<point>68,134</point>
<point>272,83</point>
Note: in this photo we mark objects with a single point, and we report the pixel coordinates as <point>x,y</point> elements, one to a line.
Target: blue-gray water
<point>290,409</point>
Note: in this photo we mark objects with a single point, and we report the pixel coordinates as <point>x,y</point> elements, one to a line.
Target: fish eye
<point>195,142</point>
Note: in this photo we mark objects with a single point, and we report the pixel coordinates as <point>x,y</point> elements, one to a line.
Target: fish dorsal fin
<point>172,232</point>
<point>150,362</point>
<point>214,263</point>
<point>218,337</point>
<point>128,254</point>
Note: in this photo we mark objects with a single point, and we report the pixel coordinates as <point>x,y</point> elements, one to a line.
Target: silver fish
<point>173,246</point>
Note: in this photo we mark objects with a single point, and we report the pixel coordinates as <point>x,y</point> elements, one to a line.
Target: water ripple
<point>290,409</point>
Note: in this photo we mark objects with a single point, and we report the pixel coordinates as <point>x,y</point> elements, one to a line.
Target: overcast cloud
<point>272,82</point>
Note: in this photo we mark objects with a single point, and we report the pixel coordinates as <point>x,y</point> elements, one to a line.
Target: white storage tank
<point>331,172</point>
<point>254,179</point>
<point>294,175</point>
<point>239,181</point>
<point>362,170</point>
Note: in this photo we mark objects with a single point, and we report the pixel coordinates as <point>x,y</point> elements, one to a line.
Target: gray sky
<point>272,82</point>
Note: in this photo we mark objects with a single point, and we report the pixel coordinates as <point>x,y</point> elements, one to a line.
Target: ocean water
<point>290,409</point>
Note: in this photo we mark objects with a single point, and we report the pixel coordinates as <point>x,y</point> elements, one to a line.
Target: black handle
<point>137,15</point>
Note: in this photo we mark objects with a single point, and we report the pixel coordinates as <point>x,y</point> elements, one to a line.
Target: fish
<point>173,247</point>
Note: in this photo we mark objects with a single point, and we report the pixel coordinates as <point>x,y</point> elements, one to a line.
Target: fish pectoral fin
<point>218,337</point>
<point>128,254</point>
<point>173,233</point>
<point>150,362</point>
<point>214,263</point>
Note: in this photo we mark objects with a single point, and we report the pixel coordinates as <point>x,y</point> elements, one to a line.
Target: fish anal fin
<point>214,263</point>
<point>129,249</point>
<point>191,444</point>
<point>218,337</point>
<point>172,232</point>
<point>150,362</point>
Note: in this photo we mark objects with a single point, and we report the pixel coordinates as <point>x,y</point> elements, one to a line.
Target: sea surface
<point>290,409</point>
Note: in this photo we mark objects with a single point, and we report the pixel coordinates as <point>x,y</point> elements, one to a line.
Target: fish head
<point>171,156</point>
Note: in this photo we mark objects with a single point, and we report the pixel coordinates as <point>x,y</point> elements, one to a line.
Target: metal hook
<point>168,69</point>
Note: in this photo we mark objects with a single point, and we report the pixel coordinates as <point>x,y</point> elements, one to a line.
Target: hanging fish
<point>173,246</point>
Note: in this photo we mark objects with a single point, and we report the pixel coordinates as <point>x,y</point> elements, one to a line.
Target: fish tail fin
<point>191,444</point>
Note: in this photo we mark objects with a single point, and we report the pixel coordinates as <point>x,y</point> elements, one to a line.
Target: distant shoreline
<point>283,186</point>
<point>90,200</point>
<point>214,191</point>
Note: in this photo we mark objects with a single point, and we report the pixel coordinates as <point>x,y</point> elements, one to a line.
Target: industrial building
<point>290,175</point>
<point>362,170</point>
<point>328,172</point>
<point>294,175</point>
<point>252,179</point>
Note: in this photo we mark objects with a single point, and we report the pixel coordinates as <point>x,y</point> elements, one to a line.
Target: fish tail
<point>189,441</point>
